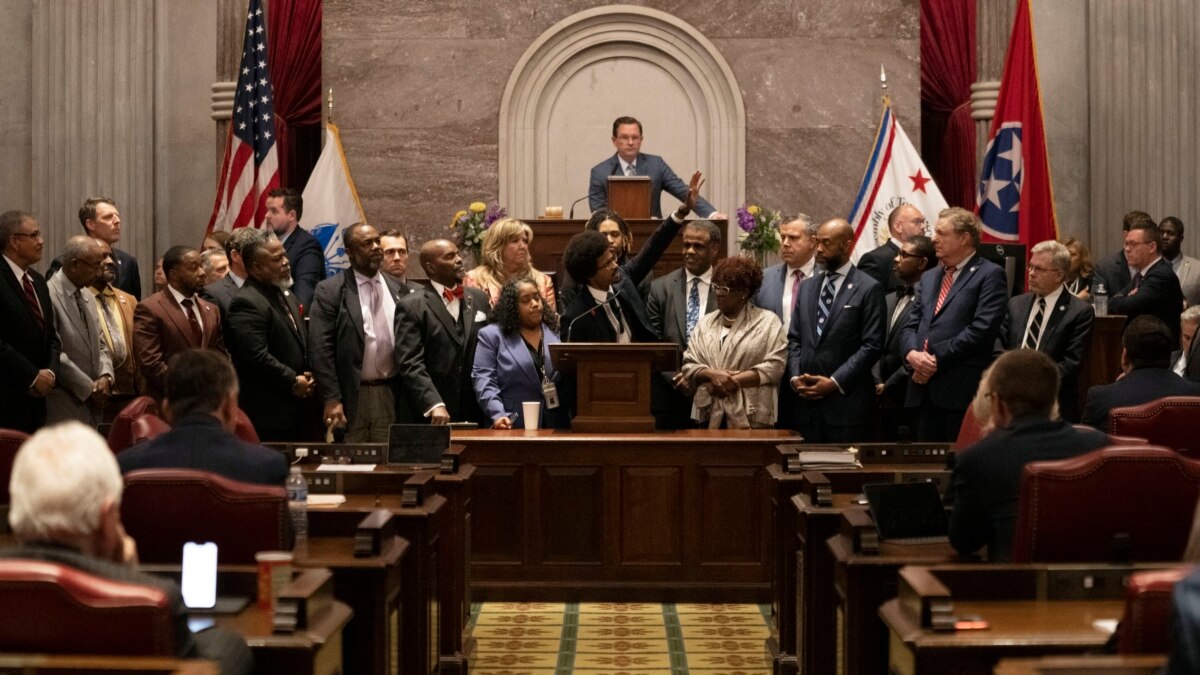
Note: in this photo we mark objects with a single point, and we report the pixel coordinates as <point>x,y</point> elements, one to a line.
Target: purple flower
<point>495,212</point>
<point>745,220</point>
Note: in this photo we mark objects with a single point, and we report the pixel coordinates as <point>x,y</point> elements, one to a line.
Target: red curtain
<point>294,57</point>
<point>947,72</point>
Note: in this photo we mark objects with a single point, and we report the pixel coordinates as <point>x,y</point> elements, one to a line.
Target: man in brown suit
<point>115,309</point>
<point>174,319</point>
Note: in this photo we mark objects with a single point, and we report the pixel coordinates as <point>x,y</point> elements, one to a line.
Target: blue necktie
<point>825,302</point>
<point>693,308</point>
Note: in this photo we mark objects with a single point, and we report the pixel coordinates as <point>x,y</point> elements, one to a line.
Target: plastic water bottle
<point>297,490</point>
<point>1100,300</point>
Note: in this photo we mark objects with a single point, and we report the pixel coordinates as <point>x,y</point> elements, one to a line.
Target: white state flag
<point>331,203</point>
<point>895,176</point>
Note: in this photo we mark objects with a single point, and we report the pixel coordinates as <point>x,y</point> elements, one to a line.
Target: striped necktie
<point>825,302</point>
<point>1035,329</point>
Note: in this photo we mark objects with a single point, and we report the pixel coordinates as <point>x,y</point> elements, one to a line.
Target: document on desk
<point>351,468</point>
<point>326,500</point>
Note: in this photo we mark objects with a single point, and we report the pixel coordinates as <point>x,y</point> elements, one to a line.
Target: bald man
<point>436,331</point>
<point>836,334</point>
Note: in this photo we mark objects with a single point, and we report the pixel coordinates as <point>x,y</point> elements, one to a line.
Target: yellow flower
<point>454,220</point>
<point>752,210</point>
<point>477,207</point>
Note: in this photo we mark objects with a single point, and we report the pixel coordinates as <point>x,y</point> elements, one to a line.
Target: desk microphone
<point>571,215</point>
<point>598,305</point>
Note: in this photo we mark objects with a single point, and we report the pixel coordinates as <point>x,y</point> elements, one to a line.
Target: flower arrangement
<point>760,230</point>
<point>471,223</point>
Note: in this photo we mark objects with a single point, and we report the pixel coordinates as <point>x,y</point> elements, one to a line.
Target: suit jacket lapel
<point>515,344</point>
<point>353,303</point>
<point>67,300</point>
<point>841,298</point>
<point>179,318</point>
<point>438,307</point>
<point>681,307</point>
<point>961,279</point>
<point>466,308</point>
<point>292,306</point>
<point>1057,312</point>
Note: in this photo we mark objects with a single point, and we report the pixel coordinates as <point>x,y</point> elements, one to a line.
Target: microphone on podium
<point>571,215</point>
<point>599,305</point>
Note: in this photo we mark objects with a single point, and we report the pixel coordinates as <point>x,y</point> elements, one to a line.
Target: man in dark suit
<point>677,301</point>
<point>1153,288</point>
<point>952,327</point>
<point>285,206</point>
<point>202,406</point>
<point>836,335</point>
<point>1145,361</point>
<point>904,221</point>
<point>29,344</point>
<point>269,345</point>
<point>351,341</point>
<point>395,259</point>
<point>1114,272</point>
<point>607,307</point>
<point>987,475</point>
<point>916,257</point>
<point>174,319</point>
<point>101,220</point>
<point>221,293</point>
<point>629,161</point>
<point>1051,320</point>
<point>436,331</point>
<point>85,531</point>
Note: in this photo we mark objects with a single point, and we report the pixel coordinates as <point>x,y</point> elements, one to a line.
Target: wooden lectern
<point>629,196</point>
<point>613,382</point>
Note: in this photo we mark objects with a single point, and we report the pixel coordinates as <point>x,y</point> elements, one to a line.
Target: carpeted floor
<point>599,638</point>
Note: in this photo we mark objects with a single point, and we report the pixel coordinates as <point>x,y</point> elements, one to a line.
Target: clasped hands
<point>924,365</point>
<point>812,387</point>
<point>303,386</point>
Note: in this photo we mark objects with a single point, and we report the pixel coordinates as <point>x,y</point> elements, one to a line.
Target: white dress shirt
<point>180,297</point>
<point>624,335</point>
<point>454,306</point>
<point>370,363</point>
<point>1051,301</point>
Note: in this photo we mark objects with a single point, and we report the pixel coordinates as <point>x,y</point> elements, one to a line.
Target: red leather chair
<point>120,436</point>
<point>146,427</point>
<point>969,433</point>
<point>1172,421</point>
<point>1145,625</point>
<point>1115,439</point>
<point>1082,509</point>
<point>11,440</point>
<point>245,428</point>
<point>55,609</point>
<point>163,509</point>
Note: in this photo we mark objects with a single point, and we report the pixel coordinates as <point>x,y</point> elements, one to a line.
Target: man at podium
<point>629,161</point>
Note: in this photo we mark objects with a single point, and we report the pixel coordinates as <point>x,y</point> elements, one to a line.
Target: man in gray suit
<point>84,377</point>
<point>351,344</point>
<point>221,292</point>
<point>1186,267</point>
<point>677,301</point>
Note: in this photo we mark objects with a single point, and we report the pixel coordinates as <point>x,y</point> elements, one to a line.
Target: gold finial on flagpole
<point>883,82</point>
<point>330,99</point>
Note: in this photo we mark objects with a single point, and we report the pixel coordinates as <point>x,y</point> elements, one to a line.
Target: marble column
<point>993,25</point>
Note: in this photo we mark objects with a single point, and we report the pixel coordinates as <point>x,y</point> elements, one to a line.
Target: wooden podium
<point>613,382</point>
<point>629,196</point>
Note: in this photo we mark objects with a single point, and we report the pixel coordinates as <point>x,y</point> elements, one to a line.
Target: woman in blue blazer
<point>512,358</point>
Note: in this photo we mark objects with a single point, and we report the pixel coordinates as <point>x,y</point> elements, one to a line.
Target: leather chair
<point>1172,421</point>
<point>1115,439</point>
<point>120,435</point>
<point>1145,626</point>
<point>146,427</point>
<point>969,433</point>
<point>245,428</point>
<point>1121,503</point>
<point>56,609</point>
<point>163,509</point>
<point>11,440</point>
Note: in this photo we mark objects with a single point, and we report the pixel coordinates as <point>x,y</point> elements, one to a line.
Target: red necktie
<point>452,294</point>
<point>947,282</point>
<point>797,277</point>
<point>34,307</point>
<point>197,332</point>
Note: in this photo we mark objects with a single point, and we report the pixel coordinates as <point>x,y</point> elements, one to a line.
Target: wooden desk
<point>48,664</point>
<point>806,511</point>
<point>1102,362</point>
<point>673,516</point>
<point>1108,664</point>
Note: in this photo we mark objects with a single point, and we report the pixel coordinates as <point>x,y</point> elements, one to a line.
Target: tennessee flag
<point>331,202</point>
<point>1016,202</point>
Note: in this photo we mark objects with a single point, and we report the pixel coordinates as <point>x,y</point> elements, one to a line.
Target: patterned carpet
<point>611,638</point>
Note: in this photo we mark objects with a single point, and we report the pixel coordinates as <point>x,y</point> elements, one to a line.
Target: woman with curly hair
<point>512,358</point>
<point>736,355</point>
<point>505,256</point>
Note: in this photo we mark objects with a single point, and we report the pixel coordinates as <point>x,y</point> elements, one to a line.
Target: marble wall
<point>418,86</point>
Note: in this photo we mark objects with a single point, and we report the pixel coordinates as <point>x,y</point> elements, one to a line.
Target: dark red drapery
<point>294,56</point>
<point>947,72</point>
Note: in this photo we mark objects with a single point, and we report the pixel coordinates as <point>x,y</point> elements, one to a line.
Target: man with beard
<point>351,341</point>
<point>174,319</point>
<point>269,346</point>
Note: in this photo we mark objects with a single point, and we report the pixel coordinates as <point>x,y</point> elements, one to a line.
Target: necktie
<point>381,329</point>
<point>902,300</point>
<point>1137,280</point>
<point>82,313</point>
<point>825,302</point>
<point>947,282</point>
<point>116,339</point>
<point>615,306</point>
<point>1035,328</point>
<point>31,299</point>
<point>631,170</point>
<point>197,332</point>
<point>693,306</point>
<point>452,294</point>
<point>797,277</point>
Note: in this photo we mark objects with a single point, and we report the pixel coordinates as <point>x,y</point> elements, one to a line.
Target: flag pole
<point>330,104</point>
<point>883,84</point>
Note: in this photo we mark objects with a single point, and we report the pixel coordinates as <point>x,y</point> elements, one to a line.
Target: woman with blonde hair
<point>1080,273</point>
<point>505,256</point>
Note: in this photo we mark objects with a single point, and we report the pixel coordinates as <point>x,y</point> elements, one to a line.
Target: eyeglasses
<point>35,235</point>
<point>1041,270</point>
<point>1131,244</point>
<point>906,254</point>
<point>724,290</point>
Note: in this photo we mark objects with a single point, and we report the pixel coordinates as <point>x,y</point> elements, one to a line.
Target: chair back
<point>1172,421</point>
<point>1120,504</point>
<point>245,428</point>
<point>146,427</point>
<point>11,441</point>
<point>969,432</point>
<point>56,609</point>
<point>1145,626</point>
<point>120,435</point>
<point>163,509</point>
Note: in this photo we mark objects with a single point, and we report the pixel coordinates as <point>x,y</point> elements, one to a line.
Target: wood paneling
<point>572,509</point>
<point>652,515</point>
<point>498,518</point>
<point>730,528</point>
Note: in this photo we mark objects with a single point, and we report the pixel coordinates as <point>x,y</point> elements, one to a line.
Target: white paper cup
<point>531,411</point>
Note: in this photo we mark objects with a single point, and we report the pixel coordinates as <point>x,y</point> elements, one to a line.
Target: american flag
<point>251,166</point>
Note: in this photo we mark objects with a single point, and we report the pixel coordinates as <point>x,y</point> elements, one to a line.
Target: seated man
<point>1146,363</point>
<point>1023,388</point>
<point>201,404</point>
<point>66,509</point>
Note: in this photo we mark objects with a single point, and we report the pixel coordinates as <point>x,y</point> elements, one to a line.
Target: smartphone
<point>199,581</point>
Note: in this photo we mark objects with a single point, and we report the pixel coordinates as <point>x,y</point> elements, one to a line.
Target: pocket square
<point>480,316</point>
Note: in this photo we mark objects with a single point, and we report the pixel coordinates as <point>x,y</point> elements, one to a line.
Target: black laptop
<point>907,513</point>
